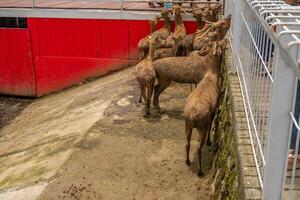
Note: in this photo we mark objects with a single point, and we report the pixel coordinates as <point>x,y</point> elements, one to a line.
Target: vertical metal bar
<point>291,192</point>
<point>278,140</point>
<point>33,3</point>
<point>122,5</point>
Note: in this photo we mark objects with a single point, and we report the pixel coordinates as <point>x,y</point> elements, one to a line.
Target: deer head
<point>176,9</point>
<point>215,48</point>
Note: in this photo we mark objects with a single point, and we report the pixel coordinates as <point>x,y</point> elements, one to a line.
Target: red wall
<point>16,69</point>
<point>67,51</point>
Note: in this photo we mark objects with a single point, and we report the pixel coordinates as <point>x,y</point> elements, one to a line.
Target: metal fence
<point>265,41</point>
<point>90,4</point>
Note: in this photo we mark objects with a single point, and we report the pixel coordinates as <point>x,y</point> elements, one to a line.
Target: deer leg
<point>150,87</point>
<point>202,136</point>
<point>208,142</point>
<point>141,89</point>
<point>159,88</point>
<point>144,95</point>
<point>188,132</point>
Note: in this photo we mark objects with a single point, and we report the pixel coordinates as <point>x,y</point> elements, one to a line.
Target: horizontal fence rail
<point>95,4</point>
<point>265,37</point>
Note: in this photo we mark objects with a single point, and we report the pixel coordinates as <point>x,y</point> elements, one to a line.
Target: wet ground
<point>10,107</point>
<point>90,142</point>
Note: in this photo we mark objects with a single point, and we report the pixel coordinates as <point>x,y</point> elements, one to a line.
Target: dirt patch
<point>128,157</point>
<point>11,107</point>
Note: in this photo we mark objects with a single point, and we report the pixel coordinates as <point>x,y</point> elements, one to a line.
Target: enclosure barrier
<point>265,40</point>
<point>88,4</point>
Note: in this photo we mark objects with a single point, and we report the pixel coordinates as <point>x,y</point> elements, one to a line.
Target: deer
<point>162,33</point>
<point>209,12</point>
<point>170,49</point>
<point>145,75</point>
<point>143,45</point>
<point>200,106</point>
<point>190,69</point>
<point>186,45</point>
<point>180,31</point>
<point>211,32</point>
<point>165,31</point>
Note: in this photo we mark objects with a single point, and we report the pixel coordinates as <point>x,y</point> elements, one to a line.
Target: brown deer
<point>186,45</point>
<point>143,45</point>
<point>161,34</point>
<point>209,12</point>
<point>165,31</point>
<point>180,31</point>
<point>200,106</point>
<point>190,69</point>
<point>212,32</point>
<point>145,75</point>
<point>170,49</point>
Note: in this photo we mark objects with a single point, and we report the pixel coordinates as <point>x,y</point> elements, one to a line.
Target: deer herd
<point>166,57</point>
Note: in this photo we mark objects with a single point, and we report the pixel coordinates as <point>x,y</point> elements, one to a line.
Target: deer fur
<point>209,12</point>
<point>145,75</point>
<point>165,31</point>
<point>200,106</point>
<point>170,49</point>
<point>161,34</point>
<point>212,32</point>
<point>190,69</point>
<point>143,45</point>
<point>180,31</point>
<point>199,111</point>
<point>186,45</point>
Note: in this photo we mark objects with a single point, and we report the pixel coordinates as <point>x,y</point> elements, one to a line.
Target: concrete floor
<point>90,142</point>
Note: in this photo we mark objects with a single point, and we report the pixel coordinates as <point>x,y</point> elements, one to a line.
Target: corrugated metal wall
<point>67,51</point>
<point>16,69</point>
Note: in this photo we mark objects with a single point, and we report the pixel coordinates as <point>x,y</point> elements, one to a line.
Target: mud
<point>91,142</point>
<point>127,157</point>
<point>11,107</point>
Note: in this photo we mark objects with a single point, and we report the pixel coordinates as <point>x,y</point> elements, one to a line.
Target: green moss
<point>224,175</point>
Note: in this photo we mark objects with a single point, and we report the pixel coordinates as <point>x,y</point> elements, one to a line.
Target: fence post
<point>279,128</point>
<point>235,7</point>
<point>122,5</point>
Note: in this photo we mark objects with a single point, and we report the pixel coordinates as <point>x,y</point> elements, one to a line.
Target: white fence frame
<point>265,41</point>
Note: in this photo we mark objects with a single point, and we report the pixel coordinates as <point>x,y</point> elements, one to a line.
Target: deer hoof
<point>208,142</point>
<point>200,173</point>
<point>188,162</point>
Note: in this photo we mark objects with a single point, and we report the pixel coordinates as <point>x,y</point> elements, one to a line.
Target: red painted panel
<point>16,70</point>
<point>190,26</point>
<point>114,39</point>
<point>67,51</point>
<point>137,31</point>
<point>66,37</point>
<point>56,73</point>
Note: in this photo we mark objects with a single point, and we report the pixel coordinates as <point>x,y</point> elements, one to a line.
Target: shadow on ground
<point>11,107</point>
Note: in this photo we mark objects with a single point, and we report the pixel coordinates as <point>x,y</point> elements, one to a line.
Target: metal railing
<point>88,4</point>
<point>265,39</point>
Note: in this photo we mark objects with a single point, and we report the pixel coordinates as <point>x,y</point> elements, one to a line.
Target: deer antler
<point>199,13</point>
<point>186,12</point>
<point>204,34</point>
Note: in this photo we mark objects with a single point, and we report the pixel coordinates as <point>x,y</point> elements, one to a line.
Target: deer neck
<point>167,24</point>
<point>213,76</point>
<point>153,28</point>
<point>151,52</point>
<point>215,61</point>
<point>199,23</point>
<point>178,20</point>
